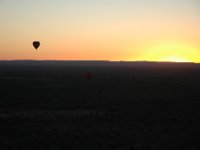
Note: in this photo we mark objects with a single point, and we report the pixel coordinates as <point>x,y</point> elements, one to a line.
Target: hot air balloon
<point>89,76</point>
<point>36,44</point>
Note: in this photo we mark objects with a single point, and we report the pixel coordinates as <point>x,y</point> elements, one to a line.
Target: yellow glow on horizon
<point>176,59</point>
<point>172,52</point>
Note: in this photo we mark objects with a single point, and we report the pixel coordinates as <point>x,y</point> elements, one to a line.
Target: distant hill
<point>103,63</point>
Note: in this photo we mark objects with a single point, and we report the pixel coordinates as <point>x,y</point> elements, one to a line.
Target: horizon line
<point>122,61</point>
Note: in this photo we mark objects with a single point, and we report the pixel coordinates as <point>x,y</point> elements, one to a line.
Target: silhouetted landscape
<point>48,105</point>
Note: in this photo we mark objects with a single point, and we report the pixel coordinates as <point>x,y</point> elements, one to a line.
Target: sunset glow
<point>176,59</point>
<point>172,52</point>
<point>129,30</point>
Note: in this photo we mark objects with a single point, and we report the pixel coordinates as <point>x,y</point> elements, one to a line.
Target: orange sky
<point>166,30</point>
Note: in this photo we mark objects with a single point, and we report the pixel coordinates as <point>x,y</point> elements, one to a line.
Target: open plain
<point>48,105</point>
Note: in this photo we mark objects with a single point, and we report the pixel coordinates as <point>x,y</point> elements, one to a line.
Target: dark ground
<point>125,106</point>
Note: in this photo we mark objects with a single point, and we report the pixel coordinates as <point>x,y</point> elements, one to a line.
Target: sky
<point>129,30</point>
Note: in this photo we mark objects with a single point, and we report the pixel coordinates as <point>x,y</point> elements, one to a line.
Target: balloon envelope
<point>89,76</point>
<point>36,44</point>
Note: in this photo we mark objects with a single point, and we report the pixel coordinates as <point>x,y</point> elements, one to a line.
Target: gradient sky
<point>158,30</point>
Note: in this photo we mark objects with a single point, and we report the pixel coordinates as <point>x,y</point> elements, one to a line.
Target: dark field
<point>125,106</point>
